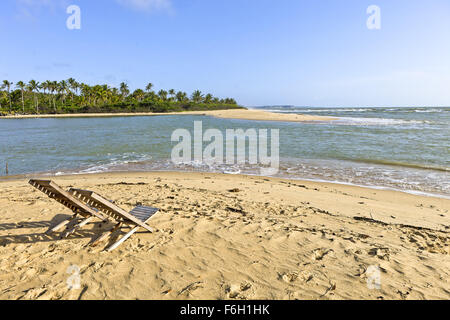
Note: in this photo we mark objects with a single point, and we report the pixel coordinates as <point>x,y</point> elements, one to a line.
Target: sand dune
<point>229,237</point>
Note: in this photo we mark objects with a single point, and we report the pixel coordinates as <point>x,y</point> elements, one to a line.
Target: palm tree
<point>103,94</point>
<point>46,86</point>
<point>115,91</point>
<point>208,98</point>
<point>63,90</point>
<point>197,96</point>
<point>172,92</point>
<point>162,95</point>
<point>21,85</point>
<point>33,87</point>
<point>55,94</point>
<point>3,96</point>
<point>85,92</point>
<point>96,93</point>
<point>139,94</point>
<point>181,96</point>
<point>53,86</point>
<point>152,96</point>
<point>7,85</point>
<point>73,85</point>
<point>230,101</point>
<point>124,90</point>
<point>149,87</point>
<point>107,93</point>
<point>15,96</point>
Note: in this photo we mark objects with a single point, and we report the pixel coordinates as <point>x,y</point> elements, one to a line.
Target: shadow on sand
<point>91,231</point>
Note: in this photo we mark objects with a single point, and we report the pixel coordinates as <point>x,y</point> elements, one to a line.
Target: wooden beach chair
<point>136,218</point>
<point>79,208</point>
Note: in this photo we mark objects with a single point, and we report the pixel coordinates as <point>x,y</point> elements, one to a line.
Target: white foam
<point>375,121</point>
<point>422,193</point>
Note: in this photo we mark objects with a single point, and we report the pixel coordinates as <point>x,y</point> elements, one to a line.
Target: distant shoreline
<point>242,114</point>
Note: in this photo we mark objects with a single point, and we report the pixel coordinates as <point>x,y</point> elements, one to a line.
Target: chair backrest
<point>57,193</point>
<point>107,207</point>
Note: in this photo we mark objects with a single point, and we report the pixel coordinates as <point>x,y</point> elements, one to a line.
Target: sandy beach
<point>228,114</point>
<point>229,237</point>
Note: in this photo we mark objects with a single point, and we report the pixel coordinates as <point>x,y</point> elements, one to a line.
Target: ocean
<point>395,148</point>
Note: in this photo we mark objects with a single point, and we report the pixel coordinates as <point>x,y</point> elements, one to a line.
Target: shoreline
<point>232,236</point>
<point>51,175</point>
<point>243,114</point>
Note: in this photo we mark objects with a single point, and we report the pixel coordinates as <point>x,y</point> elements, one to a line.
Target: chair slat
<point>53,191</point>
<point>110,209</point>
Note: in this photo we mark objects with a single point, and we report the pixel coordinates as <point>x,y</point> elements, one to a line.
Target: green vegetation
<point>70,96</point>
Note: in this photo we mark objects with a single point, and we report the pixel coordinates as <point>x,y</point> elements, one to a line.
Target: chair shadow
<point>25,224</point>
<point>97,228</point>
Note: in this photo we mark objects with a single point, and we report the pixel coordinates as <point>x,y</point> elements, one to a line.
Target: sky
<point>261,52</point>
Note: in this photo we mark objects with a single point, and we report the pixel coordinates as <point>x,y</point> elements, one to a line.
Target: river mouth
<point>398,148</point>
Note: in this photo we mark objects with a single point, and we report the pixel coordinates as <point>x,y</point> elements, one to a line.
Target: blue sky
<point>262,52</point>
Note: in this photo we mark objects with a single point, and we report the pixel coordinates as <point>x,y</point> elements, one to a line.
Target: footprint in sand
<point>33,293</point>
<point>238,291</point>
<point>288,277</point>
<point>191,287</point>
<point>306,276</point>
<point>381,253</point>
<point>319,254</point>
<point>29,274</point>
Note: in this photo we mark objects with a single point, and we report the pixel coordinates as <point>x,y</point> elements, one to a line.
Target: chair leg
<point>61,224</point>
<point>76,227</point>
<point>125,237</point>
<point>106,234</point>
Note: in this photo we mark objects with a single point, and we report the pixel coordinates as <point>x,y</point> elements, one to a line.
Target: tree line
<point>70,96</point>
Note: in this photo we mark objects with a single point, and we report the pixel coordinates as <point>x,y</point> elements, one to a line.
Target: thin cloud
<point>41,3</point>
<point>34,2</point>
<point>32,8</point>
<point>147,5</point>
